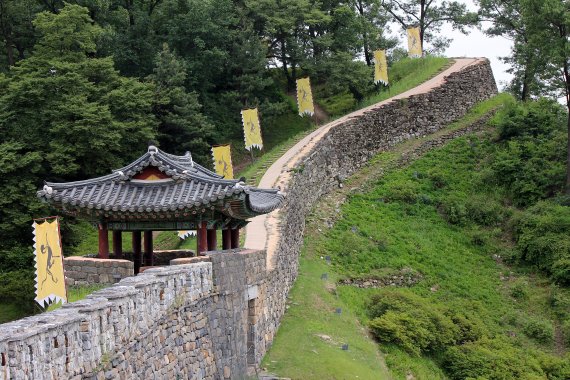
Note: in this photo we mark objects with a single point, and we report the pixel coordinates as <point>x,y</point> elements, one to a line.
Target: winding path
<point>263,231</point>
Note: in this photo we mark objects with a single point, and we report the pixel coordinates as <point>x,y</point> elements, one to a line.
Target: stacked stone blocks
<point>86,271</point>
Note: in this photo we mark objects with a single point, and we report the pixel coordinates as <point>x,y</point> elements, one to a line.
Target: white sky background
<point>475,44</point>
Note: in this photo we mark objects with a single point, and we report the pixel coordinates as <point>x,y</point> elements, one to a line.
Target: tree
<point>75,109</point>
<point>541,53</point>
<point>290,28</point>
<point>181,125</point>
<point>372,19</point>
<point>430,15</point>
<point>507,21</point>
<point>65,115</point>
<point>16,30</point>
<point>548,23</point>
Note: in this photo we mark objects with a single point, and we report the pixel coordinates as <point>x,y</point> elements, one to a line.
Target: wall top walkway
<point>262,233</point>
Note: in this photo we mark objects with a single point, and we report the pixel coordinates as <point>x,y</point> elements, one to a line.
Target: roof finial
<point>152,150</point>
<point>188,154</point>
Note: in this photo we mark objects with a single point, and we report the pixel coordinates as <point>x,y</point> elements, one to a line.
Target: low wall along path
<point>215,317</point>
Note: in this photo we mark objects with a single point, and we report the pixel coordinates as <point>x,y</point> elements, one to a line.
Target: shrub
<point>531,119</point>
<point>539,330</point>
<point>561,270</point>
<point>566,331</point>
<point>454,210</point>
<point>471,327</point>
<point>556,368</point>
<point>560,303</point>
<point>437,178</point>
<point>401,191</point>
<point>338,104</point>
<point>413,323</point>
<point>490,359</point>
<point>541,234</point>
<point>530,164</point>
<point>483,210</point>
<point>520,290</point>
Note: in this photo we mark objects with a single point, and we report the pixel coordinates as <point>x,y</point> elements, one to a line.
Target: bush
<point>490,359</point>
<point>413,323</point>
<point>555,368</point>
<point>561,270</point>
<point>454,210</point>
<point>402,191</point>
<point>566,331</point>
<point>520,290</point>
<point>437,178</point>
<point>484,210</point>
<point>530,164</point>
<point>539,330</point>
<point>531,119</point>
<point>541,234</point>
<point>338,104</point>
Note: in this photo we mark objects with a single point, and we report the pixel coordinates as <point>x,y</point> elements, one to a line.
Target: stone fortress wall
<point>212,318</point>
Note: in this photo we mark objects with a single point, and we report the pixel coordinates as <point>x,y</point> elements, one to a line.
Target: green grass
<point>406,74</point>
<point>395,223</point>
<point>280,137</point>
<point>308,343</point>
<point>90,243</point>
<point>77,293</point>
<point>399,225</point>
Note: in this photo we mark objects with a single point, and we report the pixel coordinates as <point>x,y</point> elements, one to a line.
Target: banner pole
<point>62,260</point>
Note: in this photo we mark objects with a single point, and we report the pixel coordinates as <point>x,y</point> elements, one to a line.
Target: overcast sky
<point>477,44</point>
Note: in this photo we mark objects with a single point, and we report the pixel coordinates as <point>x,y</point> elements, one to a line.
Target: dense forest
<point>86,84</point>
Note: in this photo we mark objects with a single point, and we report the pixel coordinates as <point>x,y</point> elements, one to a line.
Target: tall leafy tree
<point>289,29</point>
<point>65,115</point>
<point>548,23</point>
<point>540,59</point>
<point>16,29</point>
<point>74,108</point>
<point>181,125</point>
<point>430,16</point>
<point>507,21</point>
<point>372,18</point>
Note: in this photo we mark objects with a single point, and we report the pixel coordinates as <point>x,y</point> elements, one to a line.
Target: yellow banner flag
<point>380,67</point>
<point>251,129</point>
<point>50,279</point>
<point>305,97</point>
<point>414,43</point>
<point>223,161</point>
<point>184,234</point>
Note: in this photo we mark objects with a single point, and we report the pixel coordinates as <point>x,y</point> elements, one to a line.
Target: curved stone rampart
<point>213,318</point>
<point>325,158</point>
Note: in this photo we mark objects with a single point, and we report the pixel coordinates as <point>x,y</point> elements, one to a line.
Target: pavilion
<point>162,192</point>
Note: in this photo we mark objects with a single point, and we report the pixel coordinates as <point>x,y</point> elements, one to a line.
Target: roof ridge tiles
<point>190,187</point>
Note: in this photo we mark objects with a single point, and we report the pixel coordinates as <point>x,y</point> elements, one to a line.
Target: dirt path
<point>263,231</point>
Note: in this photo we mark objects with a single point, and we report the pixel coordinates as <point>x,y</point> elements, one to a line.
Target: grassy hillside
<point>470,310</point>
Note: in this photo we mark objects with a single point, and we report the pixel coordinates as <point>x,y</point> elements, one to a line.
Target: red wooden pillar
<point>148,254</point>
<point>202,239</point>
<point>212,240</point>
<point>103,241</point>
<point>235,238</point>
<point>226,239</point>
<point>137,254</point>
<point>118,244</point>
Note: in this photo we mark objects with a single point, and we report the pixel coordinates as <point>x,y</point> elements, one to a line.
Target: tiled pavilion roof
<point>184,191</point>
